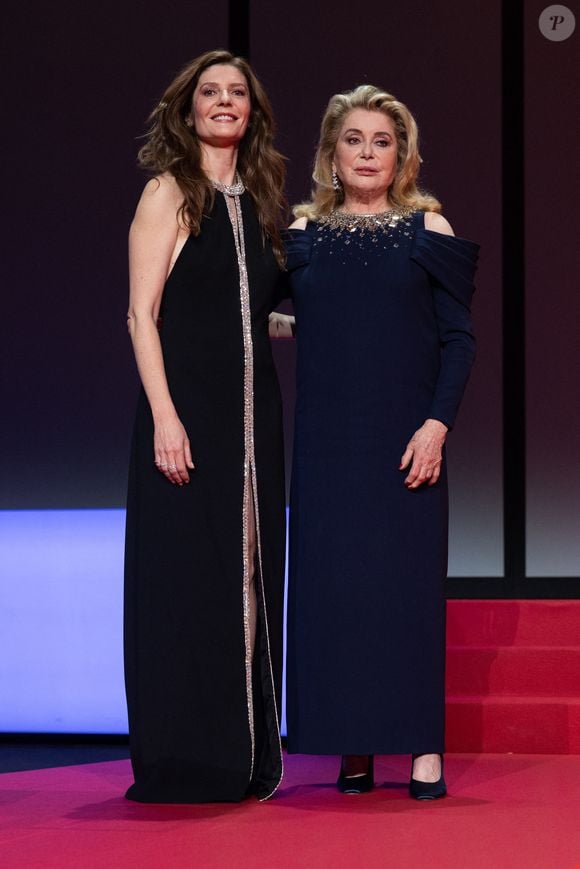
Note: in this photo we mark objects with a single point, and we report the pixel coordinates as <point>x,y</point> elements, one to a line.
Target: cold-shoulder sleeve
<point>450,263</point>
<point>298,244</point>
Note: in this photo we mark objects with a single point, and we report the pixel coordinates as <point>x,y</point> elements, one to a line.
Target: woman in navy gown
<point>382,292</point>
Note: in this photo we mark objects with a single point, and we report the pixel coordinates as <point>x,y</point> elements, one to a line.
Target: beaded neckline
<point>349,235</point>
<point>350,221</point>
<point>235,189</point>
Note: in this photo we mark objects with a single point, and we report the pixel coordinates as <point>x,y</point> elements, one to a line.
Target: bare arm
<point>153,239</point>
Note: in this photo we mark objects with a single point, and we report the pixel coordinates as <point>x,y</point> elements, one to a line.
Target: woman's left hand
<point>424,453</point>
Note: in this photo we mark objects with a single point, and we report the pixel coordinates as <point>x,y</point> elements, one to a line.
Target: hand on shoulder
<point>437,223</point>
<point>299,223</point>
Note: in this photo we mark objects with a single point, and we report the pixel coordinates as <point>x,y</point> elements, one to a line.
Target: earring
<point>336,182</point>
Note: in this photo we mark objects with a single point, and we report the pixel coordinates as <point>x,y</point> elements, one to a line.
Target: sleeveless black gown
<point>384,341</point>
<point>203,718</point>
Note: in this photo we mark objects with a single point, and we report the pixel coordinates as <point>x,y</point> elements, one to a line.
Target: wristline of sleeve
<point>446,418</point>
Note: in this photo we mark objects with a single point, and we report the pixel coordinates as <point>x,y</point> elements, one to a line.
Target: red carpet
<point>505,812</point>
<point>512,686</point>
<point>513,676</point>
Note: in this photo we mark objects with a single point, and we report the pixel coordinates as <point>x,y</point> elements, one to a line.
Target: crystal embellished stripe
<point>232,197</point>
<point>235,213</point>
<point>259,547</point>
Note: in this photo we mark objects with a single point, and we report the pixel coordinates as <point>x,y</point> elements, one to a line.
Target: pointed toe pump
<point>427,790</point>
<point>357,784</point>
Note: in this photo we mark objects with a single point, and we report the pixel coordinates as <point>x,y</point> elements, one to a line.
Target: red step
<point>513,676</point>
<point>513,623</point>
<point>514,671</point>
<point>523,725</point>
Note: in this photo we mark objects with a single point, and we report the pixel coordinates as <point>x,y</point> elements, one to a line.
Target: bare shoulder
<point>299,223</point>
<point>162,187</point>
<point>437,223</point>
<point>160,200</point>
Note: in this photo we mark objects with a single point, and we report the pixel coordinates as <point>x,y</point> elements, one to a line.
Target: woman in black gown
<point>205,511</point>
<point>382,292</point>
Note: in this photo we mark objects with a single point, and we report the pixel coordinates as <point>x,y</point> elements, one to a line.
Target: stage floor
<point>503,812</point>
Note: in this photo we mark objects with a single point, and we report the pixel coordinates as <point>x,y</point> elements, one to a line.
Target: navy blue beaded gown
<point>384,342</point>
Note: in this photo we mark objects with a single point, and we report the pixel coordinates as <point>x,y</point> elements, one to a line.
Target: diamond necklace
<point>235,189</point>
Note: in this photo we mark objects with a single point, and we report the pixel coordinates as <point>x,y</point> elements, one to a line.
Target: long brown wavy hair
<point>173,146</point>
<point>403,192</point>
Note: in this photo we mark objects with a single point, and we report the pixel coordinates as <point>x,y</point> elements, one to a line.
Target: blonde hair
<point>403,192</point>
<point>172,146</point>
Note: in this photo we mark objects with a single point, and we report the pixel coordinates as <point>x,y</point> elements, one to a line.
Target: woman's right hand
<point>281,325</point>
<point>172,450</point>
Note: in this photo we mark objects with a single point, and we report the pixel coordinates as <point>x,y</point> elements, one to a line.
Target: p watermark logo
<point>557,23</point>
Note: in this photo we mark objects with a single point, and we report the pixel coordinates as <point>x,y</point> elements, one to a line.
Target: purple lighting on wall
<point>61,622</point>
<point>61,608</point>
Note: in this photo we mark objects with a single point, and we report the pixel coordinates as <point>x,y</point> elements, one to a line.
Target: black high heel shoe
<point>357,784</point>
<point>427,790</point>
